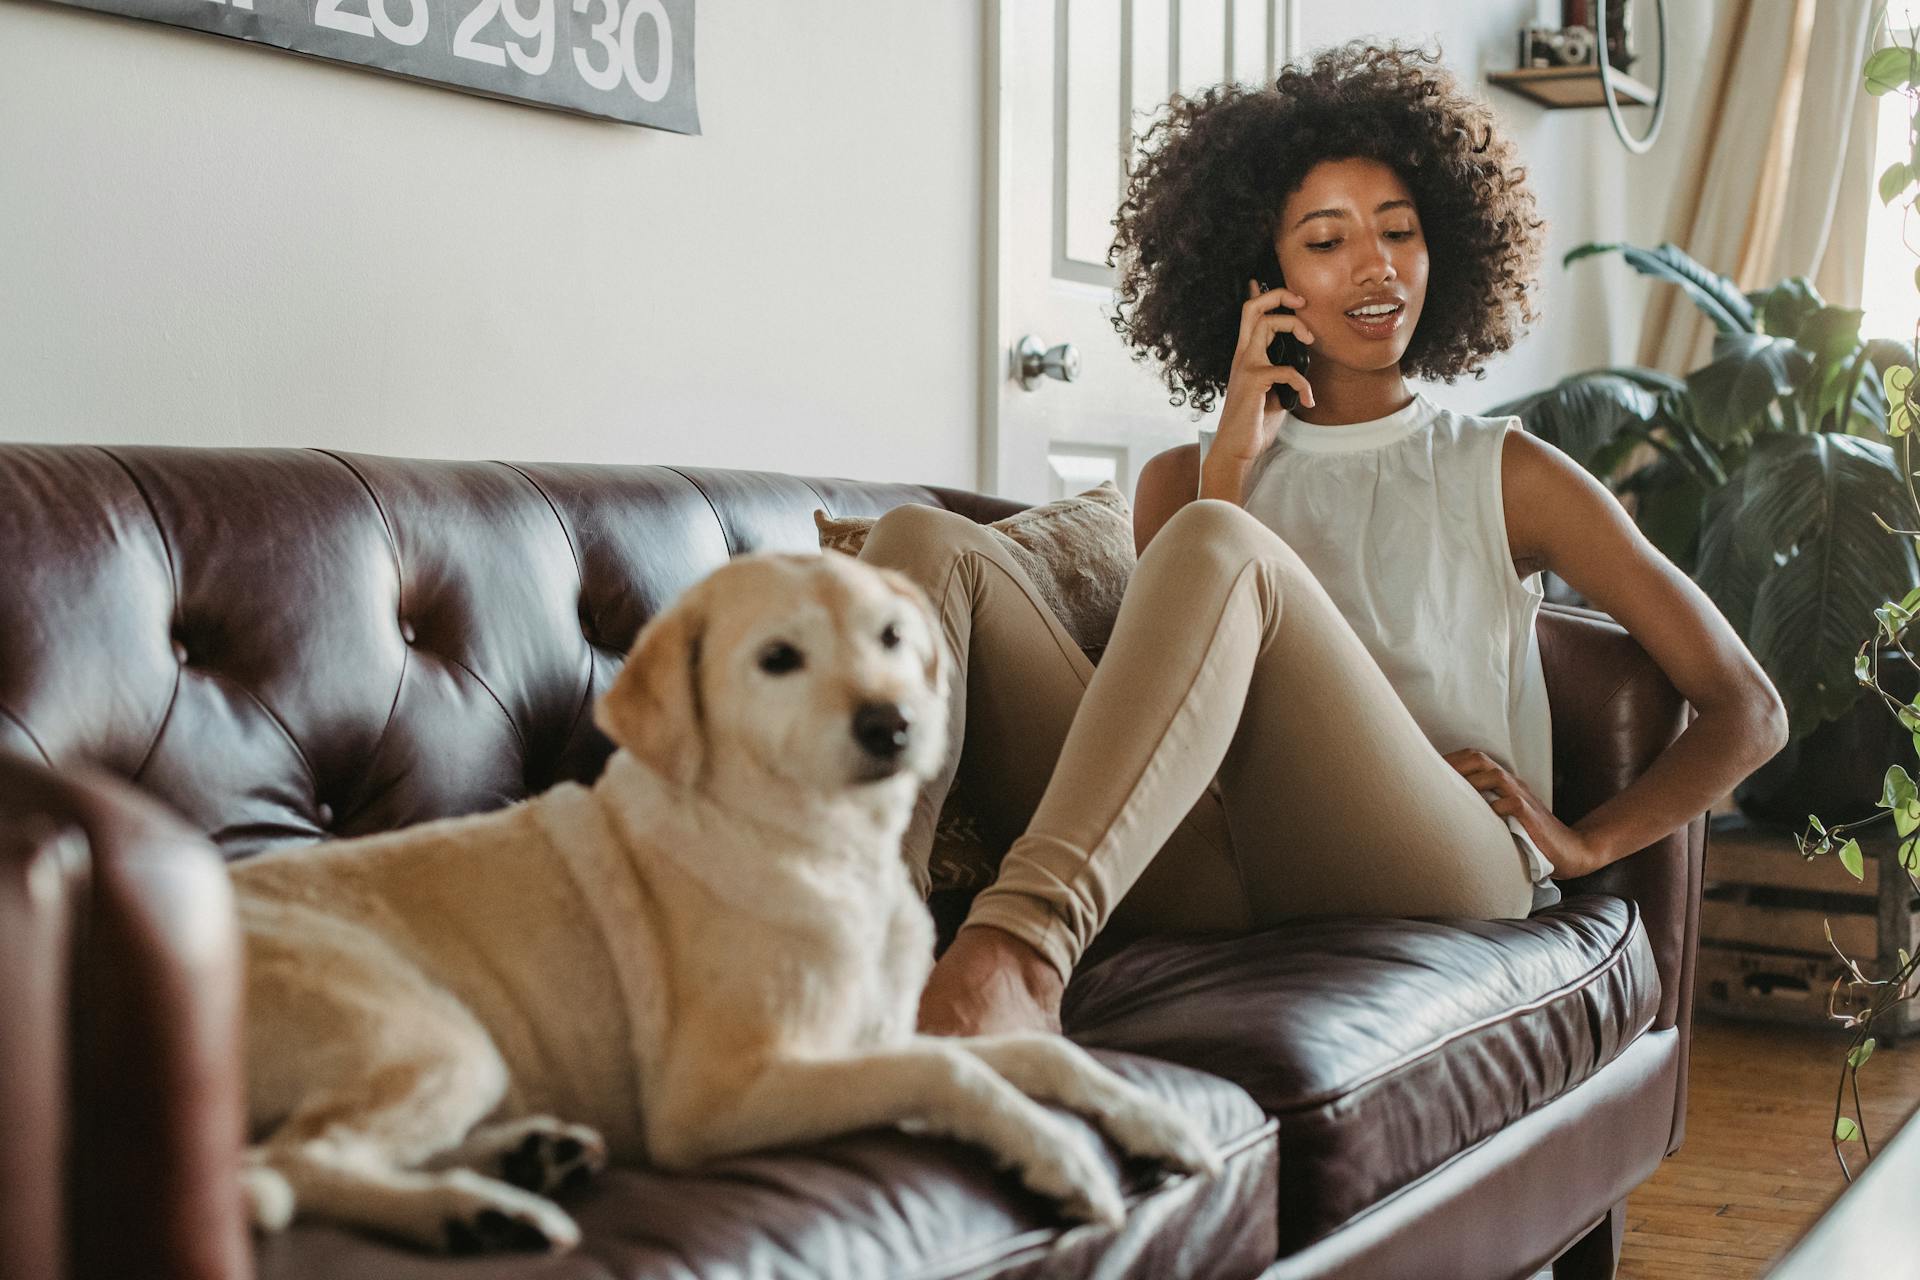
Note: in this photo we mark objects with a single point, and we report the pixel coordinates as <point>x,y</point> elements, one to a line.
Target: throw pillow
<point>1078,553</point>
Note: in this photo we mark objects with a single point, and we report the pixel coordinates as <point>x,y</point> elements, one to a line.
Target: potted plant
<point>1764,472</point>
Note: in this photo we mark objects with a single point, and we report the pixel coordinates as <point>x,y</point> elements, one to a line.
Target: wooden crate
<point>1764,918</point>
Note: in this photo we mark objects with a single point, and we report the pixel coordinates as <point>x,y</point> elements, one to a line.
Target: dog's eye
<point>779,658</point>
<point>889,636</point>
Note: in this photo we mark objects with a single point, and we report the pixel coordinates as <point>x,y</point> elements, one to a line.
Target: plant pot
<point>1836,772</point>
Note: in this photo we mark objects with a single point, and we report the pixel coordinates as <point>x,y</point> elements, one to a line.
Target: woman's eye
<point>1324,245</point>
<point>778,658</point>
<point>1400,235</point>
<point>889,636</point>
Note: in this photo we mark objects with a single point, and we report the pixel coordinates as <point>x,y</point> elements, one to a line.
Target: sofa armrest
<point>121,1054</point>
<point>1614,710</point>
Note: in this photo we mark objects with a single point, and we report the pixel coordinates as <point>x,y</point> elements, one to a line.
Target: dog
<point>715,948</point>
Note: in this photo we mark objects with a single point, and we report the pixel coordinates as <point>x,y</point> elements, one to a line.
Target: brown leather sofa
<point>207,653</point>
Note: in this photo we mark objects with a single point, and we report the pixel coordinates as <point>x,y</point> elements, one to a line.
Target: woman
<point>1322,693</point>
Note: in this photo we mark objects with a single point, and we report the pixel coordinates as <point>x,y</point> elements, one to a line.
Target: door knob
<point>1034,362</point>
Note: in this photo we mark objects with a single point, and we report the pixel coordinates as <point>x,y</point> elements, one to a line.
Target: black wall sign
<point>629,60</point>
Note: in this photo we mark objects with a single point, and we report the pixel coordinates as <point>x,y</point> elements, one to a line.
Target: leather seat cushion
<point>1384,1047</point>
<point>876,1204</point>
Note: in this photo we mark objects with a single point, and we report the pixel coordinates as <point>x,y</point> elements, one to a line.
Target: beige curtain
<point>1782,156</point>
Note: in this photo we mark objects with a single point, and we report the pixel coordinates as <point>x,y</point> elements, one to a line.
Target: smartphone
<point>1285,349</point>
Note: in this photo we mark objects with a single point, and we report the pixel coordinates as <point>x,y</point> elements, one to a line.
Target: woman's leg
<point>1017,680</point>
<point>1229,658</point>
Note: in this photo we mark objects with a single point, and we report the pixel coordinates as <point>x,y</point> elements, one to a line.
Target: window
<point>1888,290</point>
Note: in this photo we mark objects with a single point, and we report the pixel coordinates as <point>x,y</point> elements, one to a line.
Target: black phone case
<point>1285,349</point>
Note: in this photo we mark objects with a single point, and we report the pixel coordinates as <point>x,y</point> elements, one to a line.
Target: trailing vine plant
<point>1856,1001</point>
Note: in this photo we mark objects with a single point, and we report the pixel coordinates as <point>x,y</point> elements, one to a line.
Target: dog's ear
<point>653,708</point>
<point>900,584</point>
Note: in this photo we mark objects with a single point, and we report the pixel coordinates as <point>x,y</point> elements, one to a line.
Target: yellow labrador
<point>715,948</point>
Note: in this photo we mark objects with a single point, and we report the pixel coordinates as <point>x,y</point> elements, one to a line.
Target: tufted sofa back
<point>285,644</point>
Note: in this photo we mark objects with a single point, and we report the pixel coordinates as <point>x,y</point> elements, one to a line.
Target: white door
<point>1070,85</point>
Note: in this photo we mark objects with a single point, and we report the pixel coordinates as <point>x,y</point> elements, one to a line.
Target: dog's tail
<point>269,1194</point>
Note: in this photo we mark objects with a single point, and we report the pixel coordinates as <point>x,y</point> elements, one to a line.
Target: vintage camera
<point>1556,47</point>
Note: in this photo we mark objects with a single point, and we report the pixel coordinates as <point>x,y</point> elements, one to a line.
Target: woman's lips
<point>1380,327</point>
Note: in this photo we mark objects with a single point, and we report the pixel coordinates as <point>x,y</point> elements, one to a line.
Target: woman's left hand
<point>1569,852</point>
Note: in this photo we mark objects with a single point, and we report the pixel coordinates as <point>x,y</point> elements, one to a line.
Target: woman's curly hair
<point>1202,206</point>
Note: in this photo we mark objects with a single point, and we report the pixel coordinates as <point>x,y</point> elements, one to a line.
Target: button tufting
<point>407,632</point>
<point>180,652</point>
<point>324,815</point>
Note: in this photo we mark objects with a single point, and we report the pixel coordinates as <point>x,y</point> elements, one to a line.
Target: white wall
<point>202,243</point>
<point>205,243</point>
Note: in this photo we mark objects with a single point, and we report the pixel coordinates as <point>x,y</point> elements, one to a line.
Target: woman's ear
<point>654,709</point>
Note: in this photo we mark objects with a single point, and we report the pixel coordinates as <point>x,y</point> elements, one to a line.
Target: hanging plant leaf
<point>1792,555</point>
<point>1889,69</point>
<point>1894,180</point>
<point>1749,371</point>
<point>1712,292</point>
<point>1895,383</point>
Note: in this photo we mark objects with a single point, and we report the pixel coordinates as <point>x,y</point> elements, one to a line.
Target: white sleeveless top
<point>1401,521</point>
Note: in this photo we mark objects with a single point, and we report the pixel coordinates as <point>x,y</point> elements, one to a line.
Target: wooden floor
<point>1757,1167</point>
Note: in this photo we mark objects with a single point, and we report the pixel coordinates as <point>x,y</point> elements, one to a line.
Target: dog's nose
<point>880,728</point>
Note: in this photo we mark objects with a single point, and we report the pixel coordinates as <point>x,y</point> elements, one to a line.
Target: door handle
<point>1032,362</point>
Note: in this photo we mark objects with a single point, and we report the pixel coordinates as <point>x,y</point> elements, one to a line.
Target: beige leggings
<point>1236,757</point>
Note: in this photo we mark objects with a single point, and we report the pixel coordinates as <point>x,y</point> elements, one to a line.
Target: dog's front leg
<point>927,1085</point>
<point>1054,1069</point>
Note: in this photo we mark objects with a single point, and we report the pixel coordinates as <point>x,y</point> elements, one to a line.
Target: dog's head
<point>819,670</point>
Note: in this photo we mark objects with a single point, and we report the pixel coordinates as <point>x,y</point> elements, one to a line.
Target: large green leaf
<point>1868,418</point>
<point>1831,333</point>
<point>1717,296</point>
<point>1785,307</point>
<point>1582,414</point>
<point>1888,352</point>
<point>1669,502</point>
<point>1791,553</point>
<point>1748,372</point>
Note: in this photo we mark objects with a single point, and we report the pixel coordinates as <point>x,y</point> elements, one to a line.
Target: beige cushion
<point>1078,553</point>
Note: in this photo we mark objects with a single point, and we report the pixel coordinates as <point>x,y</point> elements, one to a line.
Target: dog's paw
<point>269,1198</point>
<point>478,1215</point>
<point>553,1156</point>
<point>1151,1129</point>
<point>1062,1167</point>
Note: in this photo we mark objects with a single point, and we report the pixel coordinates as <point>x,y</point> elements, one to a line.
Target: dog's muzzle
<point>883,732</point>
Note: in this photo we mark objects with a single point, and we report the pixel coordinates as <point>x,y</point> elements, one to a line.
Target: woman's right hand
<point>1251,413</point>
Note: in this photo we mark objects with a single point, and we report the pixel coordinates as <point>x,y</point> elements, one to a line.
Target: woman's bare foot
<point>989,982</point>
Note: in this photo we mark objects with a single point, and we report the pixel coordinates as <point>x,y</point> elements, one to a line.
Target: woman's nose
<point>1374,264</point>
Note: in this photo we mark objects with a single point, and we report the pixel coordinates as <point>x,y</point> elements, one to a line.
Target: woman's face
<point>1350,238</point>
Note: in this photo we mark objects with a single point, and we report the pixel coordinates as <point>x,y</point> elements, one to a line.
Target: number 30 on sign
<point>629,60</point>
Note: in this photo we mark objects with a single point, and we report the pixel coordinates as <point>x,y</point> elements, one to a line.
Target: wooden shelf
<point>1571,86</point>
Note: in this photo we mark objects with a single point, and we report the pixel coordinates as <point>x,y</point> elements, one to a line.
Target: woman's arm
<point>1169,480</point>
<point>1560,518</point>
<point>1174,477</point>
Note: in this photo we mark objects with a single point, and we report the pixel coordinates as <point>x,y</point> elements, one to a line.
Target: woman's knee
<point>1223,531</point>
<point>915,534</point>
